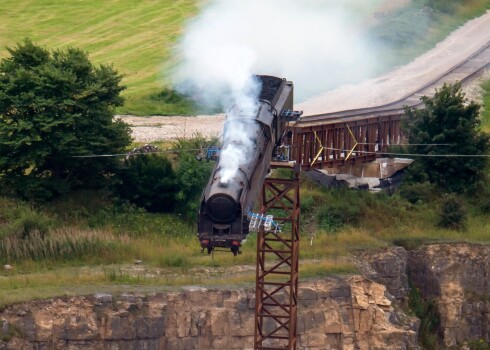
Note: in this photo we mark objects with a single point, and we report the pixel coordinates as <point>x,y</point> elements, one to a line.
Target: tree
<point>55,106</point>
<point>448,118</point>
<point>192,172</point>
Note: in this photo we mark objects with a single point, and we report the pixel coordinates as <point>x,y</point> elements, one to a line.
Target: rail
<point>353,136</point>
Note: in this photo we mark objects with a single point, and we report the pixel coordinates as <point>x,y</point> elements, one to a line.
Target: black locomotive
<point>226,202</point>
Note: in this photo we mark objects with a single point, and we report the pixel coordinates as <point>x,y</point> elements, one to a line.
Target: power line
<point>408,144</point>
<point>177,150</point>
<point>138,154</point>
<point>414,154</point>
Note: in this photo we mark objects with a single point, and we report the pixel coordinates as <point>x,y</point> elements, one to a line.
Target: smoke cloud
<point>316,44</point>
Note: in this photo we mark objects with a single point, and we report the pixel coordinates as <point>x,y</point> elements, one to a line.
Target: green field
<point>135,36</point>
<point>83,242</point>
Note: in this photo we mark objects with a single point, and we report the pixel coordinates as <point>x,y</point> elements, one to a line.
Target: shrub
<point>333,215</point>
<point>307,204</point>
<point>415,193</point>
<point>480,344</point>
<point>181,104</point>
<point>428,313</point>
<point>18,219</point>
<point>444,6</point>
<point>148,181</point>
<point>192,171</point>
<point>452,213</point>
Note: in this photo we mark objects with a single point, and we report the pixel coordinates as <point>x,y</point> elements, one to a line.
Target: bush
<point>19,220</point>
<point>192,172</point>
<point>452,213</point>
<point>338,212</point>
<point>444,6</point>
<point>428,313</point>
<point>417,193</point>
<point>150,182</point>
<point>480,344</point>
<point>482,201</point>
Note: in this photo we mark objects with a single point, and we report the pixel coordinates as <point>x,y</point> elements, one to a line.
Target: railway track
<point>357,135</point>
<point>464,71</point>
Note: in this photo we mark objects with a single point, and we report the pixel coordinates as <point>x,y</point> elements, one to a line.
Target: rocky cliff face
<point>455,276</point>
<point>353,312</point>
<point>388,267</point>
<point>336,313</point>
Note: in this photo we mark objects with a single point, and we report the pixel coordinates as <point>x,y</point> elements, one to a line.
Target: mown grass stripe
<point>136,37</point>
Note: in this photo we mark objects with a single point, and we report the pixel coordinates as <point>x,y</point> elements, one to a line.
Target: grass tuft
<point>60,244</point>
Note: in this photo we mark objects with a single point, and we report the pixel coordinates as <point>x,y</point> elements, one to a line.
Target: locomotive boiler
<point>223,219</point>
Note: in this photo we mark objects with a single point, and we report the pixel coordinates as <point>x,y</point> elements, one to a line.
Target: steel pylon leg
<point>276,293</point>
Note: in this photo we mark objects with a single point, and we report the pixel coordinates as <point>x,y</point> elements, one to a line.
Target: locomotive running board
<point>276,293</point>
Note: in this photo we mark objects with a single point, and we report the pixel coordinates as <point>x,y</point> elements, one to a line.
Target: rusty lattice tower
<point>276,295</point>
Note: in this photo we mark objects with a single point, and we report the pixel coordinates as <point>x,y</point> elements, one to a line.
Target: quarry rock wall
<point>335,313</point>
<point>456,276</point>
<point>341,312</point>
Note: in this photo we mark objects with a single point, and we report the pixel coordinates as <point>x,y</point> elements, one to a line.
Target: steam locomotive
<point>223,220</point>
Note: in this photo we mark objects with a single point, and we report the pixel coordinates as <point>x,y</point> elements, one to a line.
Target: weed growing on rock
<point>427,311</point>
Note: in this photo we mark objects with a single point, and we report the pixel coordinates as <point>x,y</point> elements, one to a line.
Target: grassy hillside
<point>135,36</point>
<point>419,26</point>
<point>86,242</point>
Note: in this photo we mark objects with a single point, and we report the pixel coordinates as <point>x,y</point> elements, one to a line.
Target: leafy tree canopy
<point>192,172</point>
<point>54,106</point>
<point>448,118</point>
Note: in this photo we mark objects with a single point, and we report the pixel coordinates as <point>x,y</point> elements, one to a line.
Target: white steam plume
<point>318,44</point>
<point>314,43</point>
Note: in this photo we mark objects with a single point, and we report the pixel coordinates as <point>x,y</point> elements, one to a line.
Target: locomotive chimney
<point>222,183</point>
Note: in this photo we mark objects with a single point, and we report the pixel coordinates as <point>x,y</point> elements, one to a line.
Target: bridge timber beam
<point>340,141</point>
